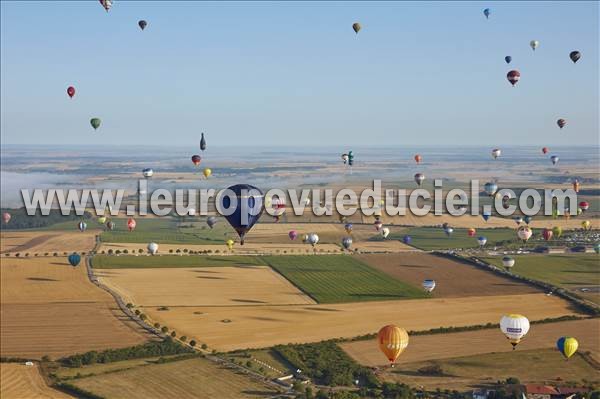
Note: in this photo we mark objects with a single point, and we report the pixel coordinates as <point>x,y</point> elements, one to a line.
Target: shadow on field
<point>211,277</point>
<point>257,393</point>
<point>248,301</point>
<point>41,279</point>
<point>324,309</point>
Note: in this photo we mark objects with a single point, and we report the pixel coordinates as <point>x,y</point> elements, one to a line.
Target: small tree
<point>185,250</point>
<point>156,325</point>
<point>45,253</point>
<point>45,358</point>
<point>110,251</point>
<point>249,364</point>
<point>192,343</point>
<point>26,254</point>
<point>173,334</point>
<point>183,338</point>
<point>129,305</point>
<point>140,251</point>
<point>204,346</point>
<point>118,252</point>
<point>137,312</point>
<point>17,254</point>
<point>178,251</point>
<point>164,329</point>
<point>55,254</point>
<point>125,251</point>
<point>143,316</point>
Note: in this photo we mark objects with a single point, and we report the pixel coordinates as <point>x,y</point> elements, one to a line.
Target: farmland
<point>340,278</point>
<point>571,271</point>
<point>428,238</point>
<point>42,242</point>
<point>18,381</point>
<point>193,378</point>
<point>145,262</point>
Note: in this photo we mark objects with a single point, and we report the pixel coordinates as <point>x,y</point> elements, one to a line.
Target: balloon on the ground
<point>152,248</point>
<point>248,208</point>
<point>514,327</point>
<point>74,259</point>
<point>524,233</point>
<point>392,341</point>
<point>513,76</point>
<point>567,346</point>
<point>575,56</point>
<point>356,27</point>
<point>82,226</point>
<point>534,44</point>
<point>428,285</point>
<point>142,24</point>
<point>419,177</point>
<point>346,242</point>
<point>70,91</point>
<point>95,122</point>
<point>202,142</point>
<point>508,262</point>
<point>131,223</point>
<point>147,172</point>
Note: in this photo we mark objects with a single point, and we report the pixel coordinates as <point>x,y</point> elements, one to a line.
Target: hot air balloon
<point>70,91</point>
<point>567,346</point>
<point>496,152</point>
<point>392,341</point>
<point>82,226</point>
<point>211,221</point>
<point>102,219</point>
<point>207,172</point>
<point>586,224</point>
<point>249,207</point>
<point>348,228</point>
<point>350,158</point>
<point>107,4</point>
<point>345,158</point>
<point>545,150</point>
<point>356,27</point>
<point>534,44</point>
<point>153,248</point>
<point>131,224</point>
<point>547,234</point>
<point>312,239</point>
<point>557,231</point>
<point>487,13</point>
<point>418,158</point>
<point>196,160</point>
<point>554,159</point>
<point>513,76</point>
<point>486,215</point>
<point>524,233</point>
<point>508,59</point>
<point>95,122</point>
<point>448,230</point>
<point>147,173</point>
<point>518,220</point>
<point>576,185</point>
<point>346,242</point>
<point>293,234</point>
<point>527,219</point>
<point>514,327</point>
<point>202,142</point>
<point>419,177</point>
<point>575,56</point>
<point>490,188</point>
<point>597,248</point>
<point>6,217</point>
<point>229,244</point>
<point>110,225</point>
<point>428,285</point>
<point>74,259</point>
<point>584,205</point>
<point>385,232</point>
<point>481,241</point>
<point>471,232</point>
<point>508,262</point>
<point>378,224</point>
<point>561,123</point>
<point>407,239</point>
<point>142,24</point>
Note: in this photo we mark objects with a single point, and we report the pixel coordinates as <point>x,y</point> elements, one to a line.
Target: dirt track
<point>453,279</point>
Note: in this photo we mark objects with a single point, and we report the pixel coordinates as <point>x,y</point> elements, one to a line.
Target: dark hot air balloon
<point>508,59</point>
<point>575,56</point>
<point>70,91</point>
<point>196,159</point>
<point>142,24</point>
<point>202,142</point>
<point>74,259</point>
<point>513,76</point>
<point>247,209</point>
<point>356,26</point>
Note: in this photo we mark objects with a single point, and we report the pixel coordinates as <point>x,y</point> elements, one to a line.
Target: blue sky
<point>292,73</point>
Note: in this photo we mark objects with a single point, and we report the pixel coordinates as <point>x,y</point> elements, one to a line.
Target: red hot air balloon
<point>547,234</point>
<point>584,205</point>
<point>561,123</point>
<point>418,158</point>
<point>513,76</point>
<point>131,224</point>
<point>196,159</point>
<point>545,150</point>
<point>71,91</point>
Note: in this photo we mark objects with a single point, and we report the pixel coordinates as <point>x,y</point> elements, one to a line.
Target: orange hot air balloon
<point>392,341</point>
<point>576,185</point>
<point>131,224</point>
<point>471,232</point>
<point>418,158</point>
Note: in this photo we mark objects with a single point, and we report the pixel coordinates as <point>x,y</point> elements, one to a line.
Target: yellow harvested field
<point>18,381</point>
<point>263,326</point>
<point>206,286</point>
<point>443,346</point>
<point>51,308</point>
<point>46,241</point>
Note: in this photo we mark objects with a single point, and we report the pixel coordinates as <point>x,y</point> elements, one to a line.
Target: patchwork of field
<point>469,343</point>
<point>453,279</point>
<point>51,308</point>
<point>268,325</point>
<point>194,379</point>
<point>46,241</point>
<point>213,286</point>
<point>18,381</point>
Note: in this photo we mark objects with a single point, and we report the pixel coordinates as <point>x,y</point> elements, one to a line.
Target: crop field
<point>427,238</point>
<point>213,286</point>
<point>469,343</point>
<point>147,262</point>
<point>42,242</point>
<point>340,278</point>
<point>51,308</point>
<point>193,378</point>
<point>267,325</point>
<point>453,279</point>
<point>18,381</point>
<point>570,271</point>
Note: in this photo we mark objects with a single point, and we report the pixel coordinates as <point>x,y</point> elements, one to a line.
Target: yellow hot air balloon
<point>102,219</point>
<point>392,341</point>
<point>207,172</point>
<point>230,243</point>
<point>567,346</point>
<point>586,224</point>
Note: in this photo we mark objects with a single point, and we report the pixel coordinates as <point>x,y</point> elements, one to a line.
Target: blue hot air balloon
<point>74,259</point>
<point>407,239</point>
<point>248,208</point>
<point>487,13</point>
<point>527,219</point>
<point>482,241</point>
<point>508,59</point>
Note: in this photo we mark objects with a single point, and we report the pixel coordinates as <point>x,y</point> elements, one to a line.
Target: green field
<point>570,271</point>
<point>340,278</point>
<point>172,261</point>
<point>429,238</point>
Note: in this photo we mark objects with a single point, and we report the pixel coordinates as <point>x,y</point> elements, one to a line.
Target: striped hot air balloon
<point>567,346</point>
<point>392,341</point>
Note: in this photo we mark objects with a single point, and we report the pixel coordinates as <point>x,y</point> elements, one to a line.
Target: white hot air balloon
<point>153,248</point>
<point>347,242</point>
<point>148,172</point>
<point>419,177</point>
<point>482,241</point>
<point>554,159</point>
<point>524,233</point>
<point>496,152</point>
<point>385,232</point>
<point>312,239</point>
<point>428,285</point>
<point>508,262</point>
<point>514,327</point>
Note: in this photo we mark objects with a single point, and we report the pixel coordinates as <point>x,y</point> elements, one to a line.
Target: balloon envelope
<point>142,24</point>
<point>482,241</point>
<point>419,177</point>
<point>508,262</point>
<point>524,233</point>
<point>202,142</point>
<point>312,239</point>
<point>487,13</point>
<point>153,248</point>
<point>196,159</point>
<point>534,44</point>
<point>508,59</point>
<point>567,346</point>
<point>148,172</point>
<point>356,27</point>
<point>82,226</point>
<point>429,285</point>
<point>6,217</point>
<point>513,76</point>
<point>95,122</point>
<point>385,232</point>
<point>575,56</point>
<point>247,208</point>
<point>293,235</point>
<point>74,259</point>
<point>70,91</point>
<point>392,341</point>
<point>407,239</point>
<point>211,221</point>
<point>207,172</point>
<point>347,242</point>
<point>514,327</point>
<point>131,223</point>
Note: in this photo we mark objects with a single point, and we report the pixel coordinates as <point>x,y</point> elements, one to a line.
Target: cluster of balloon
<point>347,242</point>
<point>153,248</point>
<point>428,285</point>
<point>514,327</point>
<point>74,259</point>
<point>247,208</point>
<point>392,341</point>
<point>508,262</point>
<point>524,233</point>
<point>567,346</point>
<point>82,226</point>
<point>131,223</point>
<point>6,217</point>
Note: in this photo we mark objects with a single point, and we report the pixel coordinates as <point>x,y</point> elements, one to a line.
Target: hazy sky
<point>287,73</point>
